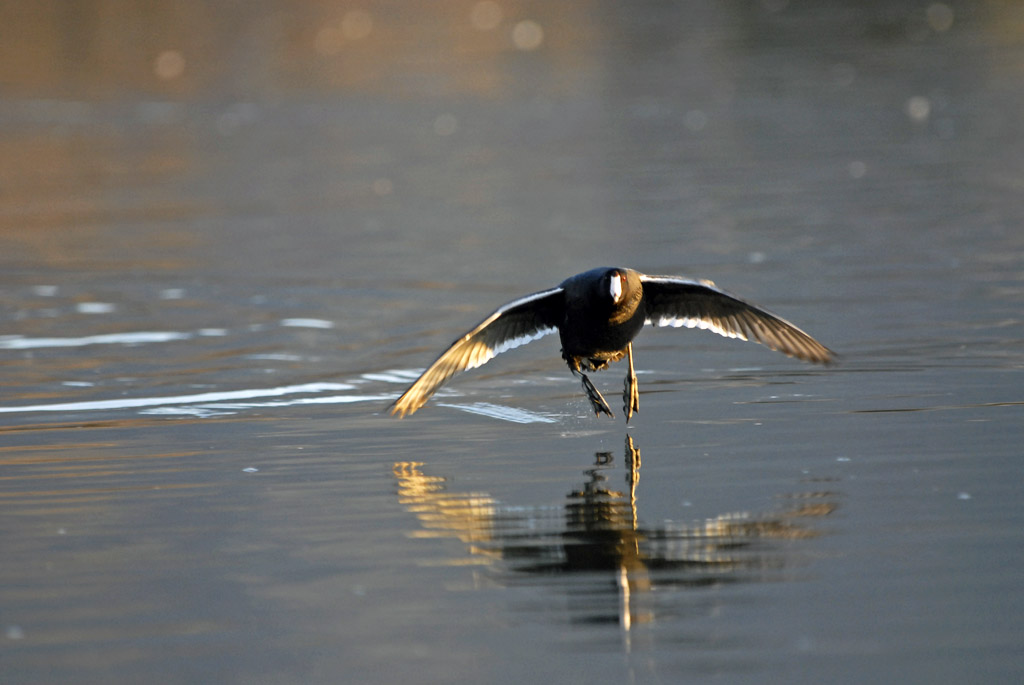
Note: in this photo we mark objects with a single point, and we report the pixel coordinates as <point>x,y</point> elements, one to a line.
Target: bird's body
<point>596,329</point>
<point>597,314</point>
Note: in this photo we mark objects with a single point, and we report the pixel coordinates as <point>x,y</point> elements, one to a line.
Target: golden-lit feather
<point>514,324</point>
<point>674,301</point>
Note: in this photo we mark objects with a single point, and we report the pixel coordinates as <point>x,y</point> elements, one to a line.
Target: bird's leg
<point>596,400</point>
<point>631,391</point>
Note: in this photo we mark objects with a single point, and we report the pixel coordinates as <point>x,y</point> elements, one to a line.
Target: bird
<point>597,314</point>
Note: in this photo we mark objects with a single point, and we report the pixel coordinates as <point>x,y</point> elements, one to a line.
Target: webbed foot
<point>597,401</point>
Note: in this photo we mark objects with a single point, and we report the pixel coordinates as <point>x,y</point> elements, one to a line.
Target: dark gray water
<point>230,236</point>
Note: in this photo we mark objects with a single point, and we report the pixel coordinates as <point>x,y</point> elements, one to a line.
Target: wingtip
<point>405,406</point>
<point>823,356</point>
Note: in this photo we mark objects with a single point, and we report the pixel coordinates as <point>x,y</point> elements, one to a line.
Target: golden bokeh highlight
<point>169,64</point>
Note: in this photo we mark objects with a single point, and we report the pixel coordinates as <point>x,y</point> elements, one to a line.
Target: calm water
<point>230,236</point>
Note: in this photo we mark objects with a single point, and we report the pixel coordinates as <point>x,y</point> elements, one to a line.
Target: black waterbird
<point>597,314</point>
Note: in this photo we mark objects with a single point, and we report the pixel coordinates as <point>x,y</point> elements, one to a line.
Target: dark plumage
<point>597,314</point>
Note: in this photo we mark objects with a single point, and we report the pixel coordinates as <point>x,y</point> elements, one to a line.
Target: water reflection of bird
<point>596,535</point>
<point>597,314</point>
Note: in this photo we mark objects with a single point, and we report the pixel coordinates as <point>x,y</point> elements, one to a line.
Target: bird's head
<point>615,286</point>
<point>619,287</point>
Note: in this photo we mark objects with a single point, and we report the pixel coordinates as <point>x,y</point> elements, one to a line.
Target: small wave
<point>497,411</point>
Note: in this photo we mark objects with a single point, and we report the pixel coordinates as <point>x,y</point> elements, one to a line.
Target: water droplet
<point>169,64</point>
<point>939,16</point>
<point>527,35</point>
<point>918,108</point>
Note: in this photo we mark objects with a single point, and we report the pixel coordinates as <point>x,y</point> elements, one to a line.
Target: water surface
<point>226,248</point>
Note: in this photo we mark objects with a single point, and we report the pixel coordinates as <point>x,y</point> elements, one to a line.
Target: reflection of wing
<point>595,536</point>
<point>674,301</point>
<point>515,324</point>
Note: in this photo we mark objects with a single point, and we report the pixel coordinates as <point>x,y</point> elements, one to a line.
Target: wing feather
<point>674,301</point>
<point>512,325</point>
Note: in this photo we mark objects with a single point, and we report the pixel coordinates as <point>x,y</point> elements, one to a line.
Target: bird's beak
<point>615,287</point>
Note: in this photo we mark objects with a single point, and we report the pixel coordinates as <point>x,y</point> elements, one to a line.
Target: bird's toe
<point>597,401</point>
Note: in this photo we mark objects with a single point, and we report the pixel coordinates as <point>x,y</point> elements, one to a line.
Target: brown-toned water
<point>230,235</point>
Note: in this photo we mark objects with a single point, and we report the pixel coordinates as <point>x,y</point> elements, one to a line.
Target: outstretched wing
<point>517,323</point>
<point>674,301</point>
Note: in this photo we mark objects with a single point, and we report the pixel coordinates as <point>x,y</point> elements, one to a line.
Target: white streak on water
<point>200,398</point>
<point>307,323</point>
<point>497,411</point>
<point>95,307</point>
<point>17,342</point>
<point>217,403</point>
<point>394,375</point>
<point>185,410</point>
<point>330,399</point>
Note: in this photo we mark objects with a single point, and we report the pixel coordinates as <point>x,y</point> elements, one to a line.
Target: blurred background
<point>459,128</point>
<point>231,232</point>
